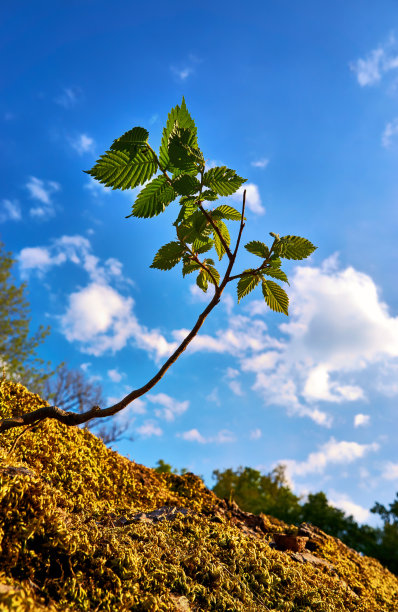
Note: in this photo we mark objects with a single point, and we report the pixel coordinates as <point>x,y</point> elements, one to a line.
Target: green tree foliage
<point>255,492</point>
<point>18,347</point>
<point>387,549</point>
<point>165,468</point>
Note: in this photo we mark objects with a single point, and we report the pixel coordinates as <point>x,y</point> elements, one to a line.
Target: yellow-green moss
<point>61,549</point>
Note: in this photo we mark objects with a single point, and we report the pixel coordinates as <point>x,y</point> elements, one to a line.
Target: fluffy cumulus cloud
<point>342,501</point>
<point>361,419</point>
<point>149,429</point>
<point>168,407</point>
<point>224,436</point>
<point>98,317</point>
<point>390,471</point>
<point>370,70</point>
<point>82,143</point>
<point>10,210</point>
<point>333,452</point>
<point>42,191</point>
<point>253,198</point>
<point>339,330</point>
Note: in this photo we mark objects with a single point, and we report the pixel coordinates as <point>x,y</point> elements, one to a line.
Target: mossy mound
<point>78,532</point>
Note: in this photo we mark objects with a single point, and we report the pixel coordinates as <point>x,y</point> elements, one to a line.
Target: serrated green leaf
<point>202,246</point>
<point>276,298</point>
<point>178,115</point>
<point>186,184</point>
<point>120,170</point>
<point>153,198</point>
<point>189,266</point>
<point>131,141</point>
<point>168,256</point>
<point>215,273</point>
<point>276,273</point>
<point>209,261</point>
<point>257,248</point>
<point>295,247</point>
<point>202,281</point>
<point>183,154</point>
<point>209,195</point>
<point>222,180</point>
<point>226,212</point>
<point>218,245</point>
<point>247,283</point>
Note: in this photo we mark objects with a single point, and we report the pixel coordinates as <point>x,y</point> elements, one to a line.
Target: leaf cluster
<point>178,172</point>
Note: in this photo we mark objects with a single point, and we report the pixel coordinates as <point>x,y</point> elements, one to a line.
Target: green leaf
<point>178,115</point>
<point>215,273</point>
<point>258,248</point>
<point>276,273</point>
<point>222,180</point>
<point>202,281</point>
<point>153,198</point>
<point>186,184</point>
<point>182,152</point>
<point>295,247</point>
<point>121,170</point>
<point>209,195</point>
<point>226,212</point>
<point>247,283</point>
<point>202,246</point>
<point>131,141</point>
<point>168,256</point>
<point>276,298</point>
<point>189,266</point>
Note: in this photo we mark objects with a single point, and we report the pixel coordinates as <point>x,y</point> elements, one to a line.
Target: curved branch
<point>216,229</point>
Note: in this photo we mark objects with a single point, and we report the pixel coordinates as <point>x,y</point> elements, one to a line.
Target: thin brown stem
<point>217,230</point>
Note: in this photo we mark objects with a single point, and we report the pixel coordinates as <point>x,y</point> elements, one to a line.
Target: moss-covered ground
<point>71,537</point>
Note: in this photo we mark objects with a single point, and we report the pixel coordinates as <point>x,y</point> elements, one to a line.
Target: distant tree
<point>165,468</point>
<point>179,172</point>
<point>255,492</point>
<point>72,389</point>
<point>18,346</point>
<point>387,550</point>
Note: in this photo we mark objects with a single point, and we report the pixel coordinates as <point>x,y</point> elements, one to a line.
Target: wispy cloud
<point>390,131</point>
<point>376,64</point>
<point>343,501</point>
<point>115,375</point>
<point>82,143</point>
<point>68,97</point>
<point>260,163</point>
<point>42,191</point>
<point>149,429</point>
<point>256,434</point>
<point>96,188</point>
<point>332,452</point>
<point>224,436</point>
<point>183,70</point>
<point>10,210</point>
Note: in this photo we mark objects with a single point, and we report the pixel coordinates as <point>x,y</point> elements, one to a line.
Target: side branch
<point>73,418</point>
<point>216,229</point>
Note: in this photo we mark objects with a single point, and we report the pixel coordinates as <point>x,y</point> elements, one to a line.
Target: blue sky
<point>302,100</point>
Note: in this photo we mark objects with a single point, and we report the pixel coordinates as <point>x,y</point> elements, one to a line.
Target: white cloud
<point>260,163</point>
<point>170,407</point>
<point>235,386</point>
<point>10,211</point>
<point>390,131</point>
<point>192,435</point>
<point>197,295</point>
<point>390,471</point>
<point>361,419</point>
<point>378,62</point>
<point>256,434</point>
<point>82,144</point>
<point>330,453</point>
<point>149,429</point>
<point>214,397</point>
<point>222,437</point>
<point>42,191</point>
<point>253,199</point>
<point>342,501</point>
<point>69,97</point>
<point>35,258</point>
<point>115,375</point>
<point>182,73</point>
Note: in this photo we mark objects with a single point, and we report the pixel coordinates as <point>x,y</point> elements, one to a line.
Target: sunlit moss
<point>69,540</point>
